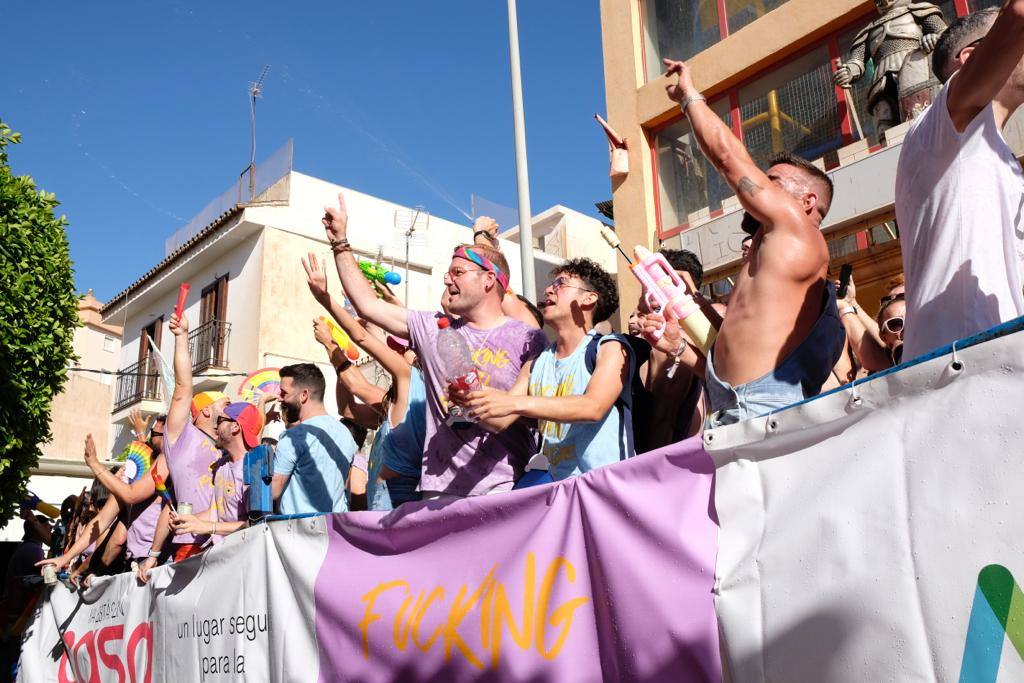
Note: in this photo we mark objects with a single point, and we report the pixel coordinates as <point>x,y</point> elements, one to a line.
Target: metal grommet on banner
<point>855,399</point>
<point>709,437</point>
<point>771,425</point>
<point>956,365</point>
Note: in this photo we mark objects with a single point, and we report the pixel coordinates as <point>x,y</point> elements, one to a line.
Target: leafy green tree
<point>38,316</point>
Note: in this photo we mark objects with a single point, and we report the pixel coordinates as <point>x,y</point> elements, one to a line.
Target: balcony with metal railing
<point>137,382</point>
<point>208,345</point>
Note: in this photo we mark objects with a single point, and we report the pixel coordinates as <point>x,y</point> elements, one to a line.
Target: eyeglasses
<point>560,282</point>
<point>893,325</point>
<point>456,273</point>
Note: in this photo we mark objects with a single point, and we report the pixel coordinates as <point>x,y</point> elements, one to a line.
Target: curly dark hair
<point>681,259</point>
<point>596,278</point>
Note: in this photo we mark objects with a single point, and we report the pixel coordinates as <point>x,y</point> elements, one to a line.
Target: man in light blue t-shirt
<point>313,458</point>
<point>578,387</point>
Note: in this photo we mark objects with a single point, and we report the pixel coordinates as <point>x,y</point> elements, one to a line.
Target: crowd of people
<point>575,399</point>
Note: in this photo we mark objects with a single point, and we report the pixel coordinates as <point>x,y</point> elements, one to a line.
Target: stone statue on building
<point>898,43</point>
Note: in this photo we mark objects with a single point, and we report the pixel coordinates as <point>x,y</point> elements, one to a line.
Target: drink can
<point>184,509</point>
<point>49,575</point>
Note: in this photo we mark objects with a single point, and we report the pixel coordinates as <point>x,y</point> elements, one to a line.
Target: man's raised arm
<point>181,400</point>
<point>989,67</point>
<point>388,316</point>
<point>759,196</point>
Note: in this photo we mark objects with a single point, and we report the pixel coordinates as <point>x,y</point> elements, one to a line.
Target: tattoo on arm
<point>748,186</point>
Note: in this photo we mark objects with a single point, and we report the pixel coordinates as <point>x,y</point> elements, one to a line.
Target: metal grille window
<point>688,186</point>
<point>792,110</point>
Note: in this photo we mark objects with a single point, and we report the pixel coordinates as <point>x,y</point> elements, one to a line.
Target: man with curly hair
<point>574,398</point>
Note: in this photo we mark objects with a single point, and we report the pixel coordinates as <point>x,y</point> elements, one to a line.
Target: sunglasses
<point>223,418</point>
<point>893,325</point>
<point>156,433</point>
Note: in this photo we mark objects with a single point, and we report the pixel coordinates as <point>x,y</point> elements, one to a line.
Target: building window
<point>688,187</point>
<point>108,344</point>
<point>793,109</point>
<point>742,12</point>
<point>678,29</point>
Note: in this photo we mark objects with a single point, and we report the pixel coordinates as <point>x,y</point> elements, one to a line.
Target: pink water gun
<point>665,291</point>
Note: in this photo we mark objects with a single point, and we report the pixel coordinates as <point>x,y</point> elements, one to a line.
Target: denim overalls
<point>801,375</point>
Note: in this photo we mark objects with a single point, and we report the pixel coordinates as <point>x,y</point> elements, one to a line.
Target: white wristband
<point>690,99</point>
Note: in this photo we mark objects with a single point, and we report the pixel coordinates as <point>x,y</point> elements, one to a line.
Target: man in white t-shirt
<point>960,190</point>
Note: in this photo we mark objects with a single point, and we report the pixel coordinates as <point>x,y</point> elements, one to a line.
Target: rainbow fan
<point>264,381</point>
<point>137,459</point>
<point>160,486</point>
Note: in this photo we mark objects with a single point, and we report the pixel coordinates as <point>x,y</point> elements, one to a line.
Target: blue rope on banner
<point>1002,330</point>
<point>277,518</point>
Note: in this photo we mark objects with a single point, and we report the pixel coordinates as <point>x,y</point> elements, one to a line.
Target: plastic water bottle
<point>460,371</point>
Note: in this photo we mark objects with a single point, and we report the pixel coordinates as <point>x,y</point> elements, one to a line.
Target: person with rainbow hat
<point>190,449</point>
<point>238,431</point>
<point>457,461</point>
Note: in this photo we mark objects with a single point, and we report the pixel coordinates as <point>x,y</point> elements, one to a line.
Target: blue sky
<point>136,114</point>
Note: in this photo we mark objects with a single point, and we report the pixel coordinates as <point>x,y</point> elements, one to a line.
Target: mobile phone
<point>845,273</point>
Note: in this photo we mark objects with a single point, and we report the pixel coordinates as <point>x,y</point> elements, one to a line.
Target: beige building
<point>766,68</point>
<point>564,233</point>
<point>82,407</point>
<point>249,306</point>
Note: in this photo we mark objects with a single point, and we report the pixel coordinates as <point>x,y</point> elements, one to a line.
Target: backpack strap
<point>624,401</point>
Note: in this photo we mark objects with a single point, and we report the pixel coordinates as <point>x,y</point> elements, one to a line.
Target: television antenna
<point>411,225</point>
<point>255,92</point>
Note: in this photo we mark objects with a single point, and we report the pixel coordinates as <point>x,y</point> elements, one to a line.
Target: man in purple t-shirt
<point>464,461</point>
<point>190,449</point>
<point>238,432</point>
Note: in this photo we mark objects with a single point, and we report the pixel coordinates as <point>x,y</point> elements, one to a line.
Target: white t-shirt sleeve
<point>934,136</point>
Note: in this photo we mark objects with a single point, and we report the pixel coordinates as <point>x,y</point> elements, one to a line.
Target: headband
<point>482,261</point>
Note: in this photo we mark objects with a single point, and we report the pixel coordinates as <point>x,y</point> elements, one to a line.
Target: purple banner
<point>605,576</point>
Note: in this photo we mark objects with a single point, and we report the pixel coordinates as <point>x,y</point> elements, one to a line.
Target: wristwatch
<point>154,553</point>
<point>851,309</point>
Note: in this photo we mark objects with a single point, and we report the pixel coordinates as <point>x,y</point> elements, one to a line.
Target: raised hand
<point>89,455</point>
<point>335,219</point>
<point>851,293</point>
<point>178,326</point>
<point>488,226</point>
<point>322,332</point>
<point>139,424</point>
<point>681,86</point>
<point>671,338</point>
<point>316,278</point>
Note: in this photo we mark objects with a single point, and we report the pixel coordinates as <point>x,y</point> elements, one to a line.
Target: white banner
<point>855,528</point>
<point>225,615</point>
